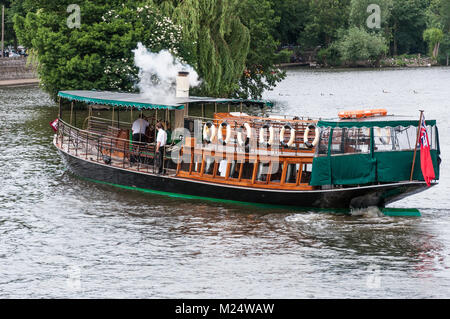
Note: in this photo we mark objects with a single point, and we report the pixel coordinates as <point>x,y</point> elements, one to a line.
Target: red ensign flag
<point>425,158</point>
<point>54,125</point>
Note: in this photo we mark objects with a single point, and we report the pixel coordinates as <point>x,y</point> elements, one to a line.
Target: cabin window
<point>336,142</point>
<point>357,140</point>
<point>306,174</point>
<point>234,169</point>
<point>197,165</point>
<point>350,141</point>
<point>291,173</point>
<point>400,138</point>
<point>323,142</point>
<point>263,171</point>
<point>247,171</point>
<point>276,172</point>
<point>221,168</point>
<point>209,165</point>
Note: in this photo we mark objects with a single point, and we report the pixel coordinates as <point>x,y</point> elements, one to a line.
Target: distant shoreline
<point>408,61</point>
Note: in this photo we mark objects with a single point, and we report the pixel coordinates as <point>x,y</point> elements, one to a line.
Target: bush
<point>329,56</point>
<point>359,45</point>
<point>284,56</point>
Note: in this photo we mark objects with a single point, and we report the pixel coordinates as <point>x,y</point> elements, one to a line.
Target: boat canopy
<point>357,152</point>
<point>385,121</point>
<point>136,100</point>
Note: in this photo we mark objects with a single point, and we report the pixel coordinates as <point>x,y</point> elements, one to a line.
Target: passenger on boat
<point>169,132</point>
<point>161,140</point>
<point>139,128</point>
<point>150,134</point>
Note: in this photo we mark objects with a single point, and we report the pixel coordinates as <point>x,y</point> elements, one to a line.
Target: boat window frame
<point>344,136</point>
<point>432,136</point>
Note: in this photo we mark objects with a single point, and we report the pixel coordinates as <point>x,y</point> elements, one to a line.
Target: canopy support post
<point>71,111</point>
<point>112,117</point>
<point>415,146</point>
<point>118,120</point>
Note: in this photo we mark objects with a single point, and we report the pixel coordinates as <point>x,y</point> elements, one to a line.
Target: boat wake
<point>369,212</point>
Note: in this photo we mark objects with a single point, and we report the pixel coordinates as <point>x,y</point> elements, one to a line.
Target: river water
<point>62,237</point>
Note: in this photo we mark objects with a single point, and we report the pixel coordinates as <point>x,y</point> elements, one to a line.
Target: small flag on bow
<point>54,125</point>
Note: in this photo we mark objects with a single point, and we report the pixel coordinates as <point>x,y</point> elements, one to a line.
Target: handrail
<point>111,150</point>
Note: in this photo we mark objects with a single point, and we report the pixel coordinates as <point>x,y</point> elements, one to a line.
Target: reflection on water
<point>65,237</point>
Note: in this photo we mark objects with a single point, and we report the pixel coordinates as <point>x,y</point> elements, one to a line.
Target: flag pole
<point>415,146</point>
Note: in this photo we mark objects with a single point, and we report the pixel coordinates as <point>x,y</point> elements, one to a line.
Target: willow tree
<point>220,41</point>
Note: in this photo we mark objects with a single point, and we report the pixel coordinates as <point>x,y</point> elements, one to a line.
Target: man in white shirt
<point>161,139</point>
<point>139,128</point>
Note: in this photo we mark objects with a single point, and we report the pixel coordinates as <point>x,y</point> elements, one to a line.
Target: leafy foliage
<point>325,19</point>
<point>260,73</point>
<point>221,41</point>
<point>293,16</point>
<point>99,54</point>
<point>433,36</point>
<point>408,21</point>
<point>358,45</point>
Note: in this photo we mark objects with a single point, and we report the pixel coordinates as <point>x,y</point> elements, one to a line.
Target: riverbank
<point>19,82</point>
<point>17,72</point>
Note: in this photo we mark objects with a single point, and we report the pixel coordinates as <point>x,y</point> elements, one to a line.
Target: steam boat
<point>217,151</point>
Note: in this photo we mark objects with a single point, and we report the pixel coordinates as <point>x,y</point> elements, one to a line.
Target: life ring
<point>248,132</point>
<point>262,140</point>
<point>385,140</point>
<point>220,136</point>
<point>362,113</point>
<point>209,132</point>
<point>291,139</point>
<point>316,137</point>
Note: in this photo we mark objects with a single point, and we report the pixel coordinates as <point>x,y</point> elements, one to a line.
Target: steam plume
<point>157,73</point>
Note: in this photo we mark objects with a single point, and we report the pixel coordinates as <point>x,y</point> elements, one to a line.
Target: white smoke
<point>158,72</point>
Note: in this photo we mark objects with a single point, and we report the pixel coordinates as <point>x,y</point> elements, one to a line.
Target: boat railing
<point>267,134</point>
<point>119,151</point>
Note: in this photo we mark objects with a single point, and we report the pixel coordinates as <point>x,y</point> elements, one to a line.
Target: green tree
<point>433,36</point>
<point>408,21</point>
<point>438,14</point>
<point>325,19</point>
<point>98,55</point>
<point>444,50</point>
<point>359,45</point>
<point>221,41</point>
<point>358,13</point>
<point>293,16</point>
<point>260,73</point>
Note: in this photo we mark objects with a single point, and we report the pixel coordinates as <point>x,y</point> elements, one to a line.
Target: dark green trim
<point>401,212</point>
<point>217,200</point>
<point>370,123</point>
<point>138,105</point>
